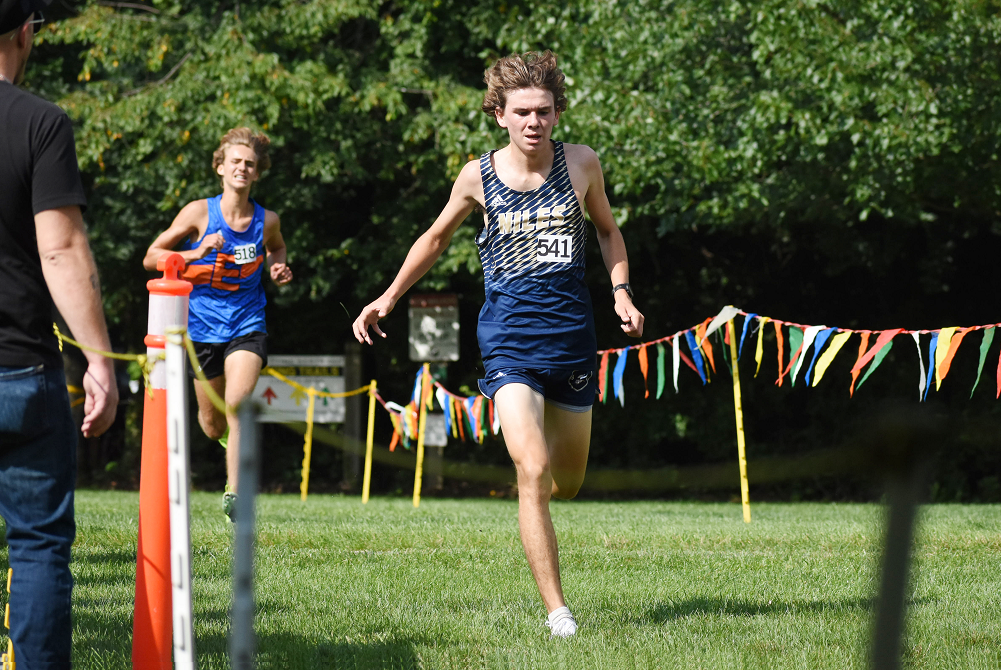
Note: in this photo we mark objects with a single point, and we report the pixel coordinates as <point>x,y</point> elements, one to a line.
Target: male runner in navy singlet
<point>226,241</point>
<point>536,327</point>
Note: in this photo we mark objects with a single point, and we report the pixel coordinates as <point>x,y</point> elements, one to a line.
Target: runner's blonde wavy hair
<point>528,70</point>
<point>259,142</point>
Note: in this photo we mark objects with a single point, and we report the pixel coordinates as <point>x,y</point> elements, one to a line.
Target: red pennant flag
<point>644,367</point>
<point>602,374</point>
<point>884,337</point>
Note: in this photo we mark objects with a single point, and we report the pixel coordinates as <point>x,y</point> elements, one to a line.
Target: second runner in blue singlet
<point>227,300</point>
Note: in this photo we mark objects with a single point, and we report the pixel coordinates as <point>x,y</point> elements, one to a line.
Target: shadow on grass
<point>285,650</point>
<point>670,611</point>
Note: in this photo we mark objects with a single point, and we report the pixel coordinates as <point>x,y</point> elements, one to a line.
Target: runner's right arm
<point>190,221</point>
<point>467,193</point>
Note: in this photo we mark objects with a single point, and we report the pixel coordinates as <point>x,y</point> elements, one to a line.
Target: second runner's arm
<point>279,270</point>
<point>425,251</point>
<point>613,247</point>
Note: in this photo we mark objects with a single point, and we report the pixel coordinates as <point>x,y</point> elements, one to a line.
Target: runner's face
<point>529,117</point>
<point>239,169</point>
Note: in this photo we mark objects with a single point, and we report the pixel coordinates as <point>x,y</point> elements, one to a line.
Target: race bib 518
<point>245,253</point>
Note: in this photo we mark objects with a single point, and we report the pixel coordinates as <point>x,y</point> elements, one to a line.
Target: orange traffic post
<point>152,617</point>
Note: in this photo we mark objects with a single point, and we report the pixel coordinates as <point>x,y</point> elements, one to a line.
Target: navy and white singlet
<point>537,312</point>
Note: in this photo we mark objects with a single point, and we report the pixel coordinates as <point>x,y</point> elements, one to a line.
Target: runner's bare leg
<point>523,417</point>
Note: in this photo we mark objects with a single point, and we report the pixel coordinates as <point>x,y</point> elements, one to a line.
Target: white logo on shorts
<point>578,380</point>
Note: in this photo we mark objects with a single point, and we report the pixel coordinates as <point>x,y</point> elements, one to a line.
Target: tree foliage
<point>831,141</point>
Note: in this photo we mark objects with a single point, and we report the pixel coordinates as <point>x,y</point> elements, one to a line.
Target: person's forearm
<point>279,255</point>
<point>154,254</point>
<point>421,257</point>
<point>71,275</point>
<point>613,252</point>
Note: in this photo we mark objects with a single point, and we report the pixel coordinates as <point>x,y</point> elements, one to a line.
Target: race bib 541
<point>554,248</point>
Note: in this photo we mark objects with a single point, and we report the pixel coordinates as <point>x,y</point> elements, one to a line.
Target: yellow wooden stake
<point>739,415</point>
<point>7,660</point>
<point>367,480</point>
<point>419,472</point>
<point>308,446</point>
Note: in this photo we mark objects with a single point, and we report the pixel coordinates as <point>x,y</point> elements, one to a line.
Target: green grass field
<point>653,585</point>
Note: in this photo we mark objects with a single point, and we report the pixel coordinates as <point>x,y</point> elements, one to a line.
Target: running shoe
<point>229,505</point>
<point>561,623</point>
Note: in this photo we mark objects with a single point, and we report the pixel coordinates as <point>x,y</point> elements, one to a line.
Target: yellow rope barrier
<point>145,362</point>
<point>320,394</point>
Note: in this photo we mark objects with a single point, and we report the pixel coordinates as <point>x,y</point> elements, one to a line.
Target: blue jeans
<point>37,476</point>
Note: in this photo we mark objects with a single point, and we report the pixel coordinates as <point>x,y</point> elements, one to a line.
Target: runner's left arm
<point>613,247</point>
<point>279,270</point>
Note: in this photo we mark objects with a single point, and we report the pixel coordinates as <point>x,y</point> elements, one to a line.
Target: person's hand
<point>101,401</point>
<point>632,320</point>
<point>281,274</point>
<point>210,242</point>
<point>370,317</point>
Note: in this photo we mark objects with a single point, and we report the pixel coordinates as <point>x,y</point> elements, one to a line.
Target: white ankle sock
<point>561,622</point>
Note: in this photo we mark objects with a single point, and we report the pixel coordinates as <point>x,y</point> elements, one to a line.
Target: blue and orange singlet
<point>227,300</point>
<point>537,312</point>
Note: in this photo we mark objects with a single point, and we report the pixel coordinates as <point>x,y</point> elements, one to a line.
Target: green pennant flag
<point>880,355</point>
<point>661,376</point>
<point>726,351</point>
<point>795,342</point>
<point>985,344</point>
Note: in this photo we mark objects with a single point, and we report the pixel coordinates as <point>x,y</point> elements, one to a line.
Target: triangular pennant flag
<point>863,345</point>
<point>880,355</point>
<point>931,364</point>
<point>724,315</point>
<point>603,378</point>
<point>985,344</point>
<point>743,334</point>
<point>439,394</point>
<point>809,335</point>
<point>795,350</point>
<point>921,364</point>
<point>827,357</point>
<point>644,368</point>
<point>957,339</point>
<point>780,339</point>
<point>759,349</point>
<point>705,345</point>
<point>726,350</point>
<point>661,375</point>
<point>818,346</point>
<point>675,363</point>
<point>881,341</point>
<point>696,356</point>
<point>496,415</point>
<point>941,351</point>
<point>620,368</point>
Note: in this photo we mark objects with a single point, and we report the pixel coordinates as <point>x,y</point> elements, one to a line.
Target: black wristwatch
<point>627,287</point>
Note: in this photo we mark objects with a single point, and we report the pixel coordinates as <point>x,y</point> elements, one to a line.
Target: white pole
<point>178,485</point>
<point>241,642</point>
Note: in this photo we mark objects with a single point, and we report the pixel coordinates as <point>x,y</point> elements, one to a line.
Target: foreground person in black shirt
<point>44,261</point>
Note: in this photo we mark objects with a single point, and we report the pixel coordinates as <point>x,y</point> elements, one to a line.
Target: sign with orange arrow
<point>282,403</point>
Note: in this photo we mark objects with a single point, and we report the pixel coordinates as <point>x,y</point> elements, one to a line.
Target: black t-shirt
<point>38,171</point>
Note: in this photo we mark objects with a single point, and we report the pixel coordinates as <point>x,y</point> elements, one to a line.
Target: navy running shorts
<point>569,389</point>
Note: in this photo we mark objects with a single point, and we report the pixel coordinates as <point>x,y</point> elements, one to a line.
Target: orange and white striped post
<point>152,617</point>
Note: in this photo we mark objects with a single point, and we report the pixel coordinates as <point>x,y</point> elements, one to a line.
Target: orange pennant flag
<point>644,367</point>
<point>781,346</point>
<point>602,374</point>
<point>943,367</point>
<point>857,369</point>
<point>707,347</point>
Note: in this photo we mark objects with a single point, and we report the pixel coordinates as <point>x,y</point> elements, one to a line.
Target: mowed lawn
<point>653,584</point>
